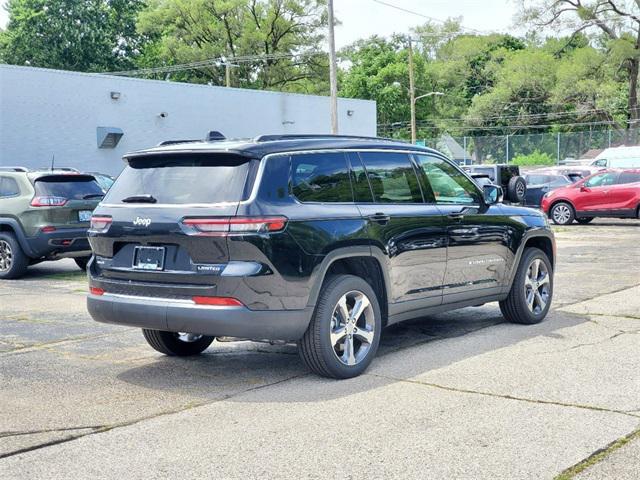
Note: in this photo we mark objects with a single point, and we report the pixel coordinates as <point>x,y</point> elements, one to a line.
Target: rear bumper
<point>185,316</point>
<point>60,244</point>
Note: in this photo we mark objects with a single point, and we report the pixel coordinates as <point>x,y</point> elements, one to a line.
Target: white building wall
<point>51,112</point>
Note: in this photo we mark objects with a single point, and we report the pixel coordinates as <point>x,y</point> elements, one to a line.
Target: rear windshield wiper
<point>144,198</point>
<point>93,195</point>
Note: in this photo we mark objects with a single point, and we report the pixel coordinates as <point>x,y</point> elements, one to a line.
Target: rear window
<point>537,179</point>
<point>183,179</point>
<point>71,187</point>
<point>321,177</point>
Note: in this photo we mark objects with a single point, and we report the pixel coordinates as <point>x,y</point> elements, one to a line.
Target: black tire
<point>13,261</point>
<point>515,308</point>
<point>562,213</point>
<point>516,189</point>
<point>81,262</point>
<point>584,220</point>
<point>316,348</point>
<point>169,343</point>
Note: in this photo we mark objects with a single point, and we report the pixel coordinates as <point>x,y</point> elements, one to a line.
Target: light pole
<point>333,75</point>
<point>413,100</point>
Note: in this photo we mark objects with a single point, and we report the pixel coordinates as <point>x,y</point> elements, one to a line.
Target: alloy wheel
<point>6,256</point>
<point>537,286</point>
<point>561,214</point>
<point>352,328</point>
<point>520,189</point>
<point>188,337</point>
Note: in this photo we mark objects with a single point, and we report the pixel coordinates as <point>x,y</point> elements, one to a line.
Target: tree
<point>272,44</point>
<point>618,23</point>
<point>81,35</point>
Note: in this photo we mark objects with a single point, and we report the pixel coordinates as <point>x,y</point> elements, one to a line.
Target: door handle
<point>381,218</point>
<point>456,216</point>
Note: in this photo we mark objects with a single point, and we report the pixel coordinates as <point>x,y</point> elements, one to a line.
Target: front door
<point>478,236</point>
<point>594,192</point>
<point>410,234</point>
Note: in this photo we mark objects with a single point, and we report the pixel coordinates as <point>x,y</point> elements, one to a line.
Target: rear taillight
<point>48,229</point>
<point>217,301</point>
<point>96,291</point>
<point>48,201</point>
<point>233,225</point>
<point>100,223</point>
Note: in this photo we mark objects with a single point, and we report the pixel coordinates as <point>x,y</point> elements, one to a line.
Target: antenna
<point>53,159</point>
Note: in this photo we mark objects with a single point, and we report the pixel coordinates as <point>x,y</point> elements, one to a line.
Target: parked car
<point>44,215</point>
<point>105,181</point>
<point>618,157</point>
<point>574,174</point>
<point>506,176</point>
<point>613,193</point>
<point>320,240</point>
<point>539,184</point>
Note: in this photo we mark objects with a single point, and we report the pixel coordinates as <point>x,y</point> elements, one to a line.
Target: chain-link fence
<point>561,147</point>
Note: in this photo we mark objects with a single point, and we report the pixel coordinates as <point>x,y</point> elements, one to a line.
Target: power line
<point>433,19</point>
<point>219,61</point>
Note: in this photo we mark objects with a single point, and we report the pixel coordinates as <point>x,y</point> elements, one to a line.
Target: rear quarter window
<point>8,187</point>
<point>184,179</point>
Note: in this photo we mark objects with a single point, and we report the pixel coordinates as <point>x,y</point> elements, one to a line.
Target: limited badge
<point>209,269</point>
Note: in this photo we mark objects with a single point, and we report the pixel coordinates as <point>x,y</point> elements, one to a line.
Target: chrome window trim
<point>258,179</point>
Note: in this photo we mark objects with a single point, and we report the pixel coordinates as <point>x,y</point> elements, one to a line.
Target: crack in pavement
<point>17,433</point>
<point>597,456</point>
<point>504,396</point>
<point>106,428</point>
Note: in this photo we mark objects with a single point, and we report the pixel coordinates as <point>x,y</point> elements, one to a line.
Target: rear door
<point>478,249</point>
<point>409,231</point>
<point>167,215</point>
<point>625,193</point>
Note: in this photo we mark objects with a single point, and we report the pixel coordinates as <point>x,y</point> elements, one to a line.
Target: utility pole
<point>333,76</point>
<point>412,94</point>
<point>227,74</point>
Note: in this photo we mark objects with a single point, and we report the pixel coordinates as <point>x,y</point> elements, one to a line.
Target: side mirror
<point>584,189</point>
<point>492,194</point>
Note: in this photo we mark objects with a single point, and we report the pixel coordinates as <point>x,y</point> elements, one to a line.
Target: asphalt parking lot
<point>457,395</point>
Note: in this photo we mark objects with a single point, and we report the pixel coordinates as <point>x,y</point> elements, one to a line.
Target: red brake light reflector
<point>48,201</point>
<point>217,301</point>
<point>48,229</point>
<point>96,291</point>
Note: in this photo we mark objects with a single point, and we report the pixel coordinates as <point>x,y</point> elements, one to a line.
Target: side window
<point>449,185</point>
<point>321,177</point>
<point>629,177</point>
<point>601,180</point>
<point>8,187</point>
<point>600,163</point>
<point>392,177</point>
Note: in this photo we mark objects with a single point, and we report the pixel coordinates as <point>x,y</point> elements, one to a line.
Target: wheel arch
<point>11,225</point>
<point>562,200</point>
<point>363,262</point>
<point>537,238</point>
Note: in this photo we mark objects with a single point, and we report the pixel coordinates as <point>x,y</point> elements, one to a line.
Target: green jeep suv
<point>44,215</point>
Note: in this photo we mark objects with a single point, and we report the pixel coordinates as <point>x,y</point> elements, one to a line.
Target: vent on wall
<point>108,137</point>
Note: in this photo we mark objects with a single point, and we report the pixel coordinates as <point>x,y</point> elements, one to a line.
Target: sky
<point>363,18</point>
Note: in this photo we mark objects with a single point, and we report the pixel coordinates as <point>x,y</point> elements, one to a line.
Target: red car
<point>612,193</point>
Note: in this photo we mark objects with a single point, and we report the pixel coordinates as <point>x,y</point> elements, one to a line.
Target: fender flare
<point>538,232</point>
<point>19,232</point>
<point>321,270</point>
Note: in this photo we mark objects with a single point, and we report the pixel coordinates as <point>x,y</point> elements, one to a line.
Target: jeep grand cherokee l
<point>319,240</point>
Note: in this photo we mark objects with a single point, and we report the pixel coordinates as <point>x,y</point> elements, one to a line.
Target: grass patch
<point>68,276</point>
<point>597,456</point>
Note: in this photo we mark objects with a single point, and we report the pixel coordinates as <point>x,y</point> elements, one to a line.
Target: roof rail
<point>312,136</point>
<point>14,169</point>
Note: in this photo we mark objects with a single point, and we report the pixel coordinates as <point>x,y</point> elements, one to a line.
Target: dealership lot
<point>460,394</point>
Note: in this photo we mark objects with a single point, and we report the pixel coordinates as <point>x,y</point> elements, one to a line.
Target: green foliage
<point>535,158</point>
<point>184,31</point>
<point>82,35</point>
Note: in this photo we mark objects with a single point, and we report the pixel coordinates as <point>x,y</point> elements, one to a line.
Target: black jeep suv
<point>319,240</point>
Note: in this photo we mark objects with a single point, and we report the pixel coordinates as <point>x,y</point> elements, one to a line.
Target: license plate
<point>148,258</point>
<point>84,215</point>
